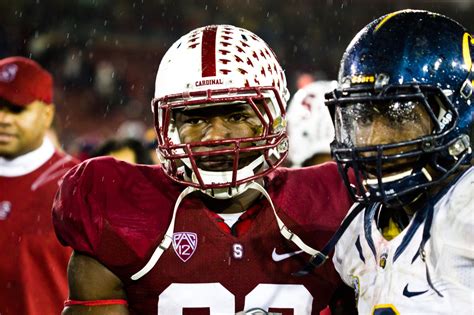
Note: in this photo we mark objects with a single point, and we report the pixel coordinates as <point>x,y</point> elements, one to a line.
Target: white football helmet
<point>310,127</point>
<point>220,65</point>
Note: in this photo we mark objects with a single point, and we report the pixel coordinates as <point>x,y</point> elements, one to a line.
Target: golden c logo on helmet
<point>467,42</point>
<point>359,79</point>
<point>388,17</point>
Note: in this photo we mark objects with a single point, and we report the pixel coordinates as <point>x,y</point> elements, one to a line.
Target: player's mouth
<point>389,169</point>
<point>6,137</point>
<point>222,163</point>
<point>209,163</point>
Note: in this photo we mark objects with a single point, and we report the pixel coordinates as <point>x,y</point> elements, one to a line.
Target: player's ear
<point>48,112</point>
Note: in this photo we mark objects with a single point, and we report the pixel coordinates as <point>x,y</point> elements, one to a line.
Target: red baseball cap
<point>23,81</point>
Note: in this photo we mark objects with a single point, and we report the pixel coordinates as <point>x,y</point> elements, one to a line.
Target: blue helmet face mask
<point>402,111</point>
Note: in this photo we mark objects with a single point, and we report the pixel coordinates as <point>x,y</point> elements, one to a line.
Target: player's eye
<point>403,112</point>
<point>363,114</point>
<point>12,109</point>
<point>237,117</point>
<point>194,121</point>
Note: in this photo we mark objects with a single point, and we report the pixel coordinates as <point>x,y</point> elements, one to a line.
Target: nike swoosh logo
<point>280,257</point>
<point>410,294</point>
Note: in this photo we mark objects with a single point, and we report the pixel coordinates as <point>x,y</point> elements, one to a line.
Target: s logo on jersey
<point>184,244</point>
<point>5,209</point>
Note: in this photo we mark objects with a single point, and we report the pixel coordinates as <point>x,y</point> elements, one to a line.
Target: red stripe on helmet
<point>208,53</point>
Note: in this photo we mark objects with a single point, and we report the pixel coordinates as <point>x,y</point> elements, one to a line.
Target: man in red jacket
<point>33,264</point>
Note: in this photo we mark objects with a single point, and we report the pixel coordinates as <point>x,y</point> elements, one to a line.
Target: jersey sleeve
<point>453,233</point>
<point>459,205</point>
<point>342,258</point>
<point>77,216</point>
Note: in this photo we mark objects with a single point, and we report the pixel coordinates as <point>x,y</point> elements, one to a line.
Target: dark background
<point>104,53</point>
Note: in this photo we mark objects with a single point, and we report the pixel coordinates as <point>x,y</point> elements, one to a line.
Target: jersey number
<point>219,300</point>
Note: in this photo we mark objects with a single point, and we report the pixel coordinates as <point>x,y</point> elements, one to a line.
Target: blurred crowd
<point>104,54</point>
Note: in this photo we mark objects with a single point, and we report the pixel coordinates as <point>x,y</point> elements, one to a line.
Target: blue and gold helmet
<point>403,107</point>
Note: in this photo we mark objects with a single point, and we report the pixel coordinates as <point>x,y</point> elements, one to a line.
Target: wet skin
<point>218,123</point>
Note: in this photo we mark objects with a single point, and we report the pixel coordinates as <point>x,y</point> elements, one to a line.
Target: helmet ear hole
<point>436,106</point>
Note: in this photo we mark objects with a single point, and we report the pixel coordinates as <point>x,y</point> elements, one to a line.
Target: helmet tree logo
<point>184,244</point>
<point>8,73</point>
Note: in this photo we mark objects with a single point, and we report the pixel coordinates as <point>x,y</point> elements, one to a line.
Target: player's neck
<point>401,215</point>
<point>236,204</point>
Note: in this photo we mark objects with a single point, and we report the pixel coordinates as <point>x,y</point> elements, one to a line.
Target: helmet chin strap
<point>211,177</point>
<point>168,238</point>
<point>390,183</point>
<point>285,232</point>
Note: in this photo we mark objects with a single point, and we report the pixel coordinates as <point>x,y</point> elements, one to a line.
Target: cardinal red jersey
<point>118,214</point>
<point>33,263</point>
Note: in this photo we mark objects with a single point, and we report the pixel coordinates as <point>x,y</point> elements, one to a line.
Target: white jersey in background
<point>390,277</point>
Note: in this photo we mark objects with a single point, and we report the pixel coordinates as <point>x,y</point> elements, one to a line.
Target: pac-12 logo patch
<point>184,244</point>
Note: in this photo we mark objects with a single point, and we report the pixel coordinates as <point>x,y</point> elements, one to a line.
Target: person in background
<point>403,113</point>
<point>129,150</point>
<point>151,144</point>
<point>218,227</point>
<point>310,128</point>
<point>303,79</point>
<point>33,263</point>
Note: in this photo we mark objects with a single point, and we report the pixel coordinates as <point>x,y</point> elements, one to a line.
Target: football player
<point>402,113</point>
<point>33,263</point>
<point>310,129</point>
<point>217,228</point>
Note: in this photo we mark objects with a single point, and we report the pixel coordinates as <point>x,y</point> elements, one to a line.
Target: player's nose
<point>216,129</point>
<point>5,116</point>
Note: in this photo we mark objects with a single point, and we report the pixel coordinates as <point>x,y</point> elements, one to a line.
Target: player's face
<point>219,122</point>
<point>395,123</point>
<point>22,128</point>
<point>378,124</point>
